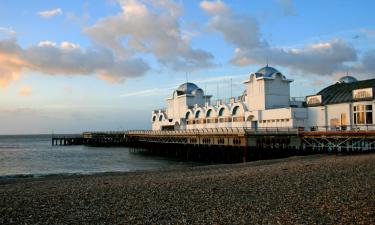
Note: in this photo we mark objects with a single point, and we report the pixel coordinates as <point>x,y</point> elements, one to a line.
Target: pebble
<point>318,189</point>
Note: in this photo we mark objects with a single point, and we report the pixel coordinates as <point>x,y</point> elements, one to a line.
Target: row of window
<point>273,121</point>
<point>216,120</point>
<point>209,113</point>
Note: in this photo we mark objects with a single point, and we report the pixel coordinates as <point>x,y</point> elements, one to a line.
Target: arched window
<point>208,114</point>
<point>160,117</point>
<point>221,112</point>
<point>197,114</point>
<point>187,115</point>
<point>153,118</point>
<point>235,109</point>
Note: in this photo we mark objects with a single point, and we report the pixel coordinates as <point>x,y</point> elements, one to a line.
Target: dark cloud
<point>322,58</point>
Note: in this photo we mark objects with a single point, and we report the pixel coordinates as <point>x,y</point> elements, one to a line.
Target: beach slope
<point>319,189</point>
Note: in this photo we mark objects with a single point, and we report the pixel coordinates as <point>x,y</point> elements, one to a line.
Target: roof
<point>342,92</point>
<point>186,88</point>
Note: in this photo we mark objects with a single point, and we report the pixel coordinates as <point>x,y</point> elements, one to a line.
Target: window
<point>221,111</point>
<point>208,114</point>
<point>362,114</point>
<point>160,117</point>
<point>187,115</point>
<point>235,109</point>
<point>197,114</point>
<point>153,118</point>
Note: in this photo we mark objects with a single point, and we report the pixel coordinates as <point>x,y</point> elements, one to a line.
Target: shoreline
<point>314,189</point>
<point>14,178</point>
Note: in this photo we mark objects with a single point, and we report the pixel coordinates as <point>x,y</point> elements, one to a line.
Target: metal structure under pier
<point>229,145</point>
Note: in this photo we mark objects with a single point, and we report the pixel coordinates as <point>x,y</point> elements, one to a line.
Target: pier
<point>230,145</point>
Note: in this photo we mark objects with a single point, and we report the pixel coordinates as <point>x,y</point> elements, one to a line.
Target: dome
<point>266,71</point>
<point>347,80</point>
<point>186,88</point>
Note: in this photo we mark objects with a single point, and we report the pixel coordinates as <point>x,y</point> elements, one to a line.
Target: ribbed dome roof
<point>266,71</point>
<point>186,88</point>
<point>343,92</point>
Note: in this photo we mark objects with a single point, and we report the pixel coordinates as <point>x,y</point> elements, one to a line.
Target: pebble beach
<point>317,189</point>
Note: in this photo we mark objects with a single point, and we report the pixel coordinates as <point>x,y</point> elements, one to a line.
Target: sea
<point>34,156</point>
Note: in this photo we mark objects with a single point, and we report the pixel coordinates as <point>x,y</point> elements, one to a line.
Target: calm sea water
<point>34,155</point>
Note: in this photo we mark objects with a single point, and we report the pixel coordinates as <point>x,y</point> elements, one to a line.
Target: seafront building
<point>266,103</point>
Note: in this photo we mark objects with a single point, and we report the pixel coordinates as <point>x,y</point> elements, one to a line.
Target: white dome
<point>347,79</point>
<point>266,71</point>
<point>186,88</point>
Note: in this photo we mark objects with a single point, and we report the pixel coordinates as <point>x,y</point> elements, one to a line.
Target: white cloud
<point>8,31</point>
<point>46,43</point>
<point>69,45</point>
<point>214,7</point>
<point>150,27</point>
<point>50,13</point>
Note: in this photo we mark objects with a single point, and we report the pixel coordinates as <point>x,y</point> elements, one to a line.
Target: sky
<point>73,66</point>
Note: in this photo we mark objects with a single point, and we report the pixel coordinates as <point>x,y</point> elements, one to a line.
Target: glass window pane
<point>368,107</point>
<point>361,117</point>
<point>369,118</point>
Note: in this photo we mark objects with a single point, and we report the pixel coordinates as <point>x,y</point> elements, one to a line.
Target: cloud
<point>366,67</point>
<point>50,13</point>
<point>216,7</point>
<point>287,7</point>
<point>25,91</point>
<point>149,27</point>
<point>240,30</point>
<point>322,58</point>
<point>368,32</point>
<point>65,59</point>
<point>7,31</point>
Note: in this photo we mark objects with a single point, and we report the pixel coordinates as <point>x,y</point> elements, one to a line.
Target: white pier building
<point>266,103</point>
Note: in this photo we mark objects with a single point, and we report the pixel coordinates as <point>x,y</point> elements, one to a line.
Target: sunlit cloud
<point>65,59</point>
<point>50,13</point>
<point>150,27</point>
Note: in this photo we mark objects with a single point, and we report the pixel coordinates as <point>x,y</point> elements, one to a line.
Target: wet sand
<point>318,189</point>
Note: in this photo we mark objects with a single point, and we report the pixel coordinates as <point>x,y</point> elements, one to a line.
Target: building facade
<point>266,103</point>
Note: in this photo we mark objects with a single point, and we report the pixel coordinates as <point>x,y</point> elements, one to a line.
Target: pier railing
<point>239,131</point>
<point>218,131</point>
